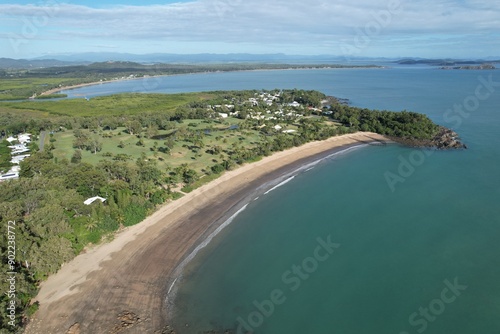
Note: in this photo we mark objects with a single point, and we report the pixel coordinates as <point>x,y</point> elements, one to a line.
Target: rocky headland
<point>445,139</point>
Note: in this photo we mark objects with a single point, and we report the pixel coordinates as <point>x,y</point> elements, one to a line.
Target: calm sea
<point>387,240</point>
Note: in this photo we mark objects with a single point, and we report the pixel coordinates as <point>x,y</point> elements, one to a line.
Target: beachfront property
<point>294,104</point>
<point>264,107</point>
<point>18,147</point>
<point>16,160</point>
<point>275,110</point>
<point>93,199</point>
<point>9,176</point>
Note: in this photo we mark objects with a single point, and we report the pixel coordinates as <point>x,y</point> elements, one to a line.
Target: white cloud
<point>272,23</point>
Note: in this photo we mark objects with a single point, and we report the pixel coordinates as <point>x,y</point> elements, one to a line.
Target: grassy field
<point>182,153</point>
<point>121,104</point>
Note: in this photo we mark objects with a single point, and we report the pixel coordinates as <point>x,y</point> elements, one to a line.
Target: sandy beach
<point>121,286</point>
<point>57,90</point>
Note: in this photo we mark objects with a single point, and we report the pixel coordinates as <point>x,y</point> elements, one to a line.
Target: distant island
<point>470,67</point>
<point>451,64</point>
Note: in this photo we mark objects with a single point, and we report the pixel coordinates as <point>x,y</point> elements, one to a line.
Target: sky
<point>349,28</point>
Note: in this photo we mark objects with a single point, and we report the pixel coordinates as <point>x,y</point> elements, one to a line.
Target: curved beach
<point>59,89</point>
<point>122,285</point>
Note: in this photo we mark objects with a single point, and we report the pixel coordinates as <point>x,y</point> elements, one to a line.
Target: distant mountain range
<point>208,58</point>
<point>203,58</point>
<point>8,63</point>
<point>196,58</point>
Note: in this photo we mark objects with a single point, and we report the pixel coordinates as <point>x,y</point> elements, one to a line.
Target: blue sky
<point>364,28</point>
<point>104,3</point>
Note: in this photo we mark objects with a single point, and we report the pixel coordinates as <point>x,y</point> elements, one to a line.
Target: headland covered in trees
<point>141,152</point>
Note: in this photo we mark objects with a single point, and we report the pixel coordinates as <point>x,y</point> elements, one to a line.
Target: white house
<point>20,150</point>
<point>14,169</point>
<point>93,199</point>
<point>9,176</point>
<point>17,147</point>
<point>24,138</point>
<point>17,159</point>
<point>223,115</point>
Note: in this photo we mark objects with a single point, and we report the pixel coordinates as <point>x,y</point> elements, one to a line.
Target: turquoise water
<point>397,250</point>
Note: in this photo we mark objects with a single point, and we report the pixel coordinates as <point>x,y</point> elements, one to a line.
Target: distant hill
<point>8,63</point>
<point>168,58</point>
<point>232,58</point>
<point>445,62</point>
<point>207,58</point>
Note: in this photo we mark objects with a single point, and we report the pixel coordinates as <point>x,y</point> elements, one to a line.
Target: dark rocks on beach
<point>75,329</point>
<point>445,139</point>
<point>166,330</point>
<point>337,100</point>
<point>127,319</point>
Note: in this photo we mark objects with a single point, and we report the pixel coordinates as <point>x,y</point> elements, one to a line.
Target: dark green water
<point>420,257</point>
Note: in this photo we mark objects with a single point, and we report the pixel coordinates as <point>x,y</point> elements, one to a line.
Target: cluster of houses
<point>288,110</point>
<point>19,152</point>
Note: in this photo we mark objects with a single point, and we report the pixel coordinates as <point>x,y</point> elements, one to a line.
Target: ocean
<point>378,239</point>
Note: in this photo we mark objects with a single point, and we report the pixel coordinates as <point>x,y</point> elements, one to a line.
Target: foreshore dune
<point>122,285</point>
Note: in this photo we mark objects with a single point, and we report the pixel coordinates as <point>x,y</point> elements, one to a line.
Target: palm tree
<point>91,224</point>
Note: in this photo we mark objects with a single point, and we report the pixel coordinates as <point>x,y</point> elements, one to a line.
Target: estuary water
<point>376,240</point>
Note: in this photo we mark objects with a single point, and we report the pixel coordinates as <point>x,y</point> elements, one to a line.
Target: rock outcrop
<point>445,139</point>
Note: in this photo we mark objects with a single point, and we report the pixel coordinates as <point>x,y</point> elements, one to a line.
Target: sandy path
<point>132,273</point>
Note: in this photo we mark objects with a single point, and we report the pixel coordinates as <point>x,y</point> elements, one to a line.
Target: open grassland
<point>120,145</point>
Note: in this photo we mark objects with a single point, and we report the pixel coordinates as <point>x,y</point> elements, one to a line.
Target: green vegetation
<point>396,124</point>
<point>139,151</point>
<point>120,104</point>
<point>50,96</point>
<point>4,156</point>
<point>20,87</point>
